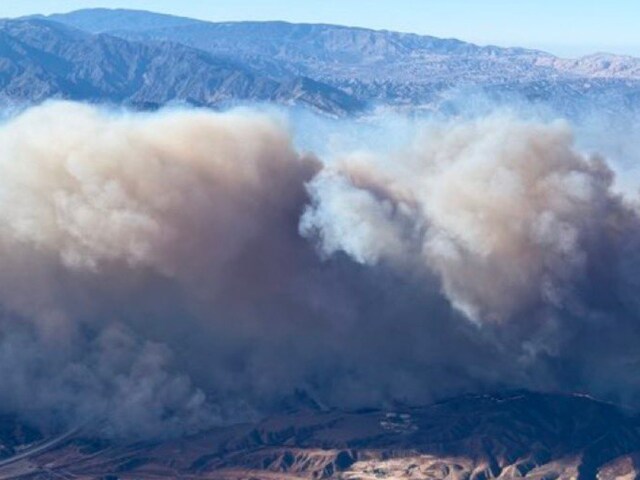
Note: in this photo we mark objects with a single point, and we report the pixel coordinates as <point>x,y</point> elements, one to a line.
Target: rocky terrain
<point>511,435</point>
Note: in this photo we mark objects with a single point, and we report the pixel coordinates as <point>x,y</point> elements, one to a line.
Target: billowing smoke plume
<point>506,213</point>
<point>171,271</point>
<point>106,221</point>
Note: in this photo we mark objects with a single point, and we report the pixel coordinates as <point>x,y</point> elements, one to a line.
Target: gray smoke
<point>504,212</point>
<point>168,272</point>
<point>527,237</point>
<point>100,214</point>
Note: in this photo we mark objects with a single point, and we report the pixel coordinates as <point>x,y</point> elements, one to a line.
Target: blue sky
<point>566,27</point>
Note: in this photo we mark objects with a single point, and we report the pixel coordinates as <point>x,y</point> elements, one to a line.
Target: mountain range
<point>146,59</point>
<point>40,59</point>
<point>475,437</point>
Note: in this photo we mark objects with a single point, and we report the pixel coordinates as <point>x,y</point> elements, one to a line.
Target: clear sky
<point>566,27</point>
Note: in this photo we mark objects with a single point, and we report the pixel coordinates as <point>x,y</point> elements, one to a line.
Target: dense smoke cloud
<point>505,212</point>
<point>99,210</point>
<point>171,271</point>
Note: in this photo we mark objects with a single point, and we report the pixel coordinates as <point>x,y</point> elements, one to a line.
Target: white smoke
<point>503,211</point>
<point>528,236</point>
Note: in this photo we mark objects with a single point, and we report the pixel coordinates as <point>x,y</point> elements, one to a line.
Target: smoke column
<point>172,271</point>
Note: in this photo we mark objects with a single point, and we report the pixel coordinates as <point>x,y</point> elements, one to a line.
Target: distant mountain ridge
<point>102,20</point>
<point>147,60</point>
<point>41,59</point>
<point>382,66</point>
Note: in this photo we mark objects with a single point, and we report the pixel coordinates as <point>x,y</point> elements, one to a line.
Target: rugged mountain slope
<point>474,437</point>
<point>384,66</point>
<point>41,59</point>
